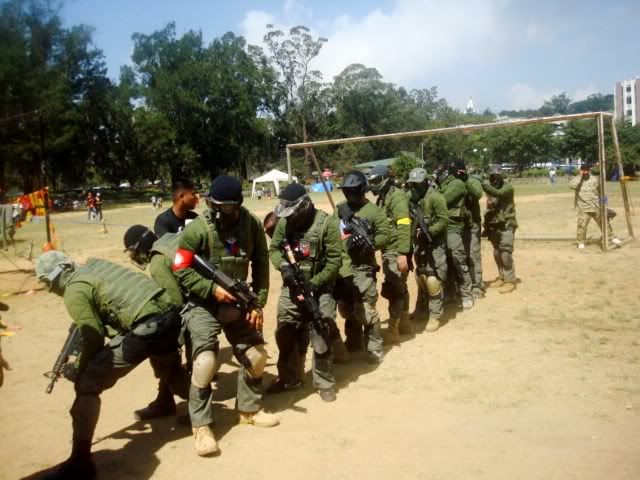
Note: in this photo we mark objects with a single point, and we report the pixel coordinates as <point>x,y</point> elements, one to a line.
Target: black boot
<point>79,465</point>
<point>163,406</point>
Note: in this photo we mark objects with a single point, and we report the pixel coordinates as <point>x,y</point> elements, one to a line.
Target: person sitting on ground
<point>185,200</point>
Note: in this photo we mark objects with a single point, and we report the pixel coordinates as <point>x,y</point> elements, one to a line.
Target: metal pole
<point>623,183</point>
<point>289,165</point>
<point>602,183</point>
<point>324,185</point>
<point>46,214</point>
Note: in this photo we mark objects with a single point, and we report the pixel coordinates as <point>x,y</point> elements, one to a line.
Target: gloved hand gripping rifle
<point>360,240</point>
<point>247,298</point>
<point>299,286</point>
<point>422,234</point>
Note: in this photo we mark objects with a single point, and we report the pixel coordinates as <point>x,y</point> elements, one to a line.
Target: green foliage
<point>403,164</point>
<point>535,172</point>
<point>520,146</point>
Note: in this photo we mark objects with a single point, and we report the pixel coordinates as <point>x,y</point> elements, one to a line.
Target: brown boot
<point>497,283</point>
<point>391,335</point>
<point>339,351</point>
<point>205,441</point>
<point>432,325</point>
<point>405,327</point>
<point>508,287</point>
<point>258,419</point>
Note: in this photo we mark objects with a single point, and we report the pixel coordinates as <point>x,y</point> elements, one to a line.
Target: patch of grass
<point>456,374</point>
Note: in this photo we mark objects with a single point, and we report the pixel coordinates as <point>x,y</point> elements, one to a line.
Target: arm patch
<point>404,221</point>
<point>183,259</point>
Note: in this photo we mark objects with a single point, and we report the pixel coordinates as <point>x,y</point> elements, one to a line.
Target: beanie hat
<point>292,192</point>
<point>225,189</point>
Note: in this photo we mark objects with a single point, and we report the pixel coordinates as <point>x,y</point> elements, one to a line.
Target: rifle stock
<point>247,298</point>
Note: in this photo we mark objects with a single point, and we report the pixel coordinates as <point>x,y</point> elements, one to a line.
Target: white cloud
<point>522,96</point>
<point>407,43</point>
<point>583,93</point>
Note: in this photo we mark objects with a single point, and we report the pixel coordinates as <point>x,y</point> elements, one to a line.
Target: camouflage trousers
<point>583,222</point>
<point>117,358</point>
<point>292,337</point>
<point>204,323</point>
<point>395,282</point>
<point>456,251</point>
<point>472,248</point>
<point>502,239</point>
<point>358,295</point>
<point>434,264</point>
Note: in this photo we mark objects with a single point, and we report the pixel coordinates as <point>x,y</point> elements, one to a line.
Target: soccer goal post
<point>599,117</point>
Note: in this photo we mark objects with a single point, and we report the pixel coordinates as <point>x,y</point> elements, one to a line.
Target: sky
<point>505,54</point>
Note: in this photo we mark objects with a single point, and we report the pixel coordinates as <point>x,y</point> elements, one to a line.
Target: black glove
<point>70,372</point>
<point>288,274</point>
<point>358,244</point>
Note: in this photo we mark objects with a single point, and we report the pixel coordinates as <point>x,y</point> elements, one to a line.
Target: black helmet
<point>355,181</point>
<point>378,179</point>
<point>440,174</point>
<point>224,190</point>
<point>138,241</point>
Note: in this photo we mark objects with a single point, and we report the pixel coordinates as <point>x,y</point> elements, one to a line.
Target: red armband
<point>183,259</point>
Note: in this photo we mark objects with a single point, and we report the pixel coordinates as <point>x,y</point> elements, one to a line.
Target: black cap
<point>292,192</point>
<point>355,180</point>
<point>134,234</point>
<point>460,166</point>
<point>585,166</point>
<point>225,189</point>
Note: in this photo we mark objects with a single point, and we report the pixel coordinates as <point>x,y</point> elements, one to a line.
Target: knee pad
<point>255,360</point>
<point>434,287</point>
<point>204,367</point>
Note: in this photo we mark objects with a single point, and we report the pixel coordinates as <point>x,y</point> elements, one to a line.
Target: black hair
<point>179,184</point>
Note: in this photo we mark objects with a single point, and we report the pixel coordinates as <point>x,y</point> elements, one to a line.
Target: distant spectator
<point>159,202</point>
<point>552,176</point>
<point>259,193</point>
<point>185,200</point>
<point>91,205</point>
<point>98,206</point>
<point>153,201</point>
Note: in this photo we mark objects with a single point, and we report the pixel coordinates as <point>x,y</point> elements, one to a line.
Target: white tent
<point>272,176</point>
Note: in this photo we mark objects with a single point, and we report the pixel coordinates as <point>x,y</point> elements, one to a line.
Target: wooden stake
<point>324,185</point>
<point>289,165</point>
<point>623,183</point>
<point>604,221</point>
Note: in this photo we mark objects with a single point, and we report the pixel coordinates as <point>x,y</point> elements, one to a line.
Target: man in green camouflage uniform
<point>155,254</point>
<point>472,228</point>
<point>395,257</point>
<point>229,236</point>
<point>454,191</point>
<point>104,298</point>
<point>314,238</point>
<point>501,224</point>
<point>587,203</point>
<point>356,289</point>
<point>431,257</point>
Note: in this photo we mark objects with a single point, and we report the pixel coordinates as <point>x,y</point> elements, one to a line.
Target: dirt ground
<point>540,383</point>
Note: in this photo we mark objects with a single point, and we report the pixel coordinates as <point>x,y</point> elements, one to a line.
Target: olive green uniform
<point>104,297</point>
<point>501,225</point>
<point>319,244</point>
<point>232,250</point>
<point>472,231</point>
<point>160,266</point>
<point>587,203</point>
<point>396,207</point>
<point>454,192</point>
<point>433,261</point>
<point>356,289</point>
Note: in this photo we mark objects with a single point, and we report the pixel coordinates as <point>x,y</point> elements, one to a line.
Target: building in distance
<point>627,100</point>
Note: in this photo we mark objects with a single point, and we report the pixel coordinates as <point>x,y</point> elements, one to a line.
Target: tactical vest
<point>308,245</point>
<point>231,250</point>
<point>167,245</point>
<point>122,293</point>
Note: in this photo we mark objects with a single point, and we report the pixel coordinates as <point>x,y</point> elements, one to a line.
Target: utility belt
<point>156,325</point>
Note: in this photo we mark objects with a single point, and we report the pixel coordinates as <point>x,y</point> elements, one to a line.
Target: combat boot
<point>205,442</point>
<point>327,394</point>
<point>508,287</point>
<point>497,283</point>
<point>405,327</point>
<point>391,335</point>
<point>339,351</point>
<point>433,324</point>
<point>258,419</point>
<point>163,406</point>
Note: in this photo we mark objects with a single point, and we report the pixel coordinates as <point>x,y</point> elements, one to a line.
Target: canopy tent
<point>273,176</point>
